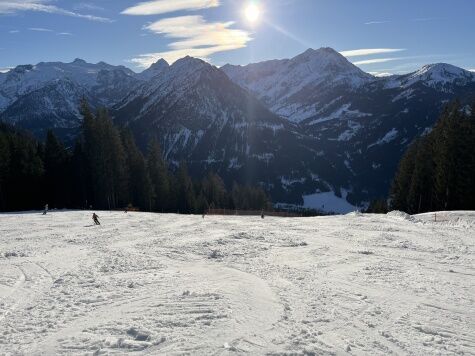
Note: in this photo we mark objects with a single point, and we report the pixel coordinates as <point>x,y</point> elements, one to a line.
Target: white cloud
<point>65,34</point>
<point>197,38</point>
<point>472,70</point>
<point>13,31</point>
<point>376,22</point>
<point>166,6</point>
<point>377,60</point>
<point>381,74</point>
<point>40,29</point>
<point>4,70</point>
<point>370,51</point>
<point>13,6</point>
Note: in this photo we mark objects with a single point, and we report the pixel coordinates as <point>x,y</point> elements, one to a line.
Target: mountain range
<point>313,130</point>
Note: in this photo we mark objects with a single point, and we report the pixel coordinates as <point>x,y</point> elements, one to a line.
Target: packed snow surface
<point>171,285</point>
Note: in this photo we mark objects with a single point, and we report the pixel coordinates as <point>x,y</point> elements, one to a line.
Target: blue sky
<point>380,36</point>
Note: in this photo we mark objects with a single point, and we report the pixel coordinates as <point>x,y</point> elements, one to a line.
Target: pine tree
<point>159,178</point>
<point>4,168</point>
<point>81,190</point>
<point>57,172</point>
<point>139,186</point>
<point>186,195</point>
<point>403,179</point>
<point>106,160</point>
<point>437,172</point>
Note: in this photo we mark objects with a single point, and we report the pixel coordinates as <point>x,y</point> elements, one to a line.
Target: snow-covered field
<point>172,285</point>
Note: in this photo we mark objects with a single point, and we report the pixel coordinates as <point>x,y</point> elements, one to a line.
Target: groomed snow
<point>165,284</point>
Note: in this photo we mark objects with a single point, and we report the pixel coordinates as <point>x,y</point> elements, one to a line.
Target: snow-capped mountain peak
<point>436,76</point>
<point>79,61</point>
<point>442,73</point>
<point>103,82</point>
<point>288,86</point>
<point>155,69</point>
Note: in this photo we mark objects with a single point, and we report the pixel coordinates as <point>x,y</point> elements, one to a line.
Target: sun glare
<point>252,13</point>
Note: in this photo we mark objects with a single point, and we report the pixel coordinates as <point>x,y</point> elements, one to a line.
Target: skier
<point>46,210</point>
<point>95,218</point>
<point>262,214</point>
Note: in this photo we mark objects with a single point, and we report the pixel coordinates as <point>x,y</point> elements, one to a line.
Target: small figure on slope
<point>46,210</point>
<point>95,218</point>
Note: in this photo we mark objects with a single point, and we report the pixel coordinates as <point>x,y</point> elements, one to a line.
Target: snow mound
<point>401,215</point>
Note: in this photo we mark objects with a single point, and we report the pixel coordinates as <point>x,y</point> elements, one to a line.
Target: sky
<point>379,36</point>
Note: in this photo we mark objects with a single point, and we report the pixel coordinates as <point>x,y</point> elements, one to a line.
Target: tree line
<point>437,172</point>
<point>106,170</point>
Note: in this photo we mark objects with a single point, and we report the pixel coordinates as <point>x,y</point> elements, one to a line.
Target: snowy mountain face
<point>154,70</point>
<point>360,123</point>
<point>313,129</point>
<point>288,86</point>
<point>47,95</point>
<point>200,116</point>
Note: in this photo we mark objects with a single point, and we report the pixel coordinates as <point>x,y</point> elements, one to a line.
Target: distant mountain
<point>291,87</point>
<point>202,117</point>
<point>155,69</point>
<point>46,95</point>
<point>313,129</point>
<point>355,118</point>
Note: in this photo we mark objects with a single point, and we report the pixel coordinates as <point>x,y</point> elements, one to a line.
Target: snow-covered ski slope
<point>152,284</point>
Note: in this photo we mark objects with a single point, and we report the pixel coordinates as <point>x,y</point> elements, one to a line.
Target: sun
<point>252,13</point>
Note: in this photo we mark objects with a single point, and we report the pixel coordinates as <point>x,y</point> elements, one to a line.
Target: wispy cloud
<point>370,51</point>
<point>377,60</point>
<point>5,70</point>
<point>197,38</point>
<point>376,22</point>
<point>13,31</point>
<point>13,6</point>
<point>64,34</point>
<point>166,6</point>
<point>40,29</point>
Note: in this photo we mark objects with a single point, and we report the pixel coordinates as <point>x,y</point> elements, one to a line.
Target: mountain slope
<point>362,121</point>
<point>314,126</point>
<point>200,116</point>
<point>290,87</point>
<point>47,95</point>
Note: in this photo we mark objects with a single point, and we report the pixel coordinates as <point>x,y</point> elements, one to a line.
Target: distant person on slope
<point>95,218</point>
<point>46,210</point>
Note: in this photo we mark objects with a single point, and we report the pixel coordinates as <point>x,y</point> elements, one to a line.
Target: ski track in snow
<point>152,284</point>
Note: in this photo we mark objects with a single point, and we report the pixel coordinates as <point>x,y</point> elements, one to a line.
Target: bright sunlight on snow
<point>167,284</point>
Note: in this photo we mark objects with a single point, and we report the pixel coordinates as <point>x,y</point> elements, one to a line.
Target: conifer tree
<point>57,177</point>
<point>4,167</point>
<point>139,186</point>
<point>437,172</point>
<point>159,178</point>
<point>186,194</point>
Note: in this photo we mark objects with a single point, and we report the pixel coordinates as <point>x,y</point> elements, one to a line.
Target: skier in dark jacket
<point>95,218</point>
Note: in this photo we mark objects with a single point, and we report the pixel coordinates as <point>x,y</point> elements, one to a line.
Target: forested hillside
<point>438,170</point>
<point>106,170</point>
